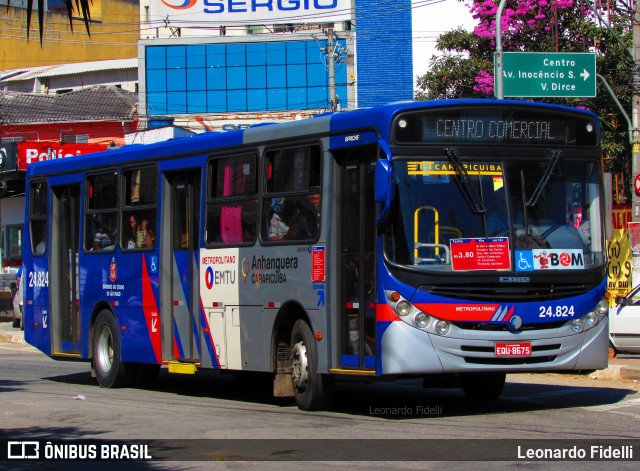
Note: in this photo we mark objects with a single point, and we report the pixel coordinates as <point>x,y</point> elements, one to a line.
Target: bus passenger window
<point>139,212</point>
<point>38,217</point>
<point>232,201</point>
<point>291,212</point>
<point>38,237</point>
<point>101,219</point>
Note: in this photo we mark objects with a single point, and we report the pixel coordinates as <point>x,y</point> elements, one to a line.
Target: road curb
<point>618,372</point>
<point>11,338</point>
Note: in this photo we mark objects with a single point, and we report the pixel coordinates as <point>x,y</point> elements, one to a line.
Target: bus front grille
<point>502,327</point>
<point>510,361</point>
<point>520,293</point>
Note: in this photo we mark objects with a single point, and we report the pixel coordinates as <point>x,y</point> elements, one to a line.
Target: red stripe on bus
<point>384,313</point>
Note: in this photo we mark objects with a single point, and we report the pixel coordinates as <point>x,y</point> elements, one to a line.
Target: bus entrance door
<point>184,213</point>
<point>65,302</point>
<point>357,241</point>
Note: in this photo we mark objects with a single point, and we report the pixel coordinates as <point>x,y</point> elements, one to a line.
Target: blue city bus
<point>455,240</point>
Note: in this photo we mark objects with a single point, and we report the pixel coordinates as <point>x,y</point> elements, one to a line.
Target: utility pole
<point>333,103</point>
<point>635,154</point>
<point>500,53</point>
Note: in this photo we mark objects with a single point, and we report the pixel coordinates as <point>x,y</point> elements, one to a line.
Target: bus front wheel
<point>483,387</point>
<point>312,390</point>
<point>108,366</point>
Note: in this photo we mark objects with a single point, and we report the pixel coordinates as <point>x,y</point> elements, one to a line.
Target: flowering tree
<point>466,67</point>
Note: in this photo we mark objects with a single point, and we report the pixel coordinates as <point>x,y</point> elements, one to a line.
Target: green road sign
<point>548,74</point>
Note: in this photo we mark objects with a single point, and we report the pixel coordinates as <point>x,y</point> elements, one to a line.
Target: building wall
<point>237,75</point>
<point>115,29</point>
<point>383,51</point>
<point>258,73</point>
<point>99,132</point>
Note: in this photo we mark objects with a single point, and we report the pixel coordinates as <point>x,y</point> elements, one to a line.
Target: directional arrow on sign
<point>585,74</point>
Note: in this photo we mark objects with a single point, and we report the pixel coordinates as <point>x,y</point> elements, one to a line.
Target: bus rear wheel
<point>109,368</point>
<point>483,387</point>
<point>312,390</point>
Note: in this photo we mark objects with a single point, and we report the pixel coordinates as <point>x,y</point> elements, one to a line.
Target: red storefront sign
<point>29,152</point>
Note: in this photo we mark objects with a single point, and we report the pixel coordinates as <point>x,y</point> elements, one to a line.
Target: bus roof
<point>376,118</point>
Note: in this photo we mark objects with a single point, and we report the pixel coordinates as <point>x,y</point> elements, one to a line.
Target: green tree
<point>465,69</point>
<point>81,6</point>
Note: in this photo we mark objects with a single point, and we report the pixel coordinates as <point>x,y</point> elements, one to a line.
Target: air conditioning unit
<point>75,139</point>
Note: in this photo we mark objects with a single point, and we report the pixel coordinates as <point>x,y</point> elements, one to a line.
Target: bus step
<point>344,371</point>
<point>182,368</point>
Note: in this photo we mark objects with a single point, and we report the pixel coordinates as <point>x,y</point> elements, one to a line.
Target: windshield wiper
<point>556,155</point>
<point>477,205</point>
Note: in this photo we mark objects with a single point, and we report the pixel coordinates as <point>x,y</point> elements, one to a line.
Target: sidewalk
<point>8,333</point>
<point>626,367</point>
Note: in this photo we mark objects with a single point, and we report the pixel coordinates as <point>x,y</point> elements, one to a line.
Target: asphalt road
<point>243,427</point>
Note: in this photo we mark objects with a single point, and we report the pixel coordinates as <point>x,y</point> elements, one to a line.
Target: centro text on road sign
<point>549,74</point>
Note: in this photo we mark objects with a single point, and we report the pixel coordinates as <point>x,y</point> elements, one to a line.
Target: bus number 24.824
<point>556,311</point>
<point>38,279</point>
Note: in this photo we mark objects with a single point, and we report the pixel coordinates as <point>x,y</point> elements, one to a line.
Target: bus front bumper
<point>407,350</point>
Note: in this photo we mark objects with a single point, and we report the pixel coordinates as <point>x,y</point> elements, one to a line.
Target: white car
<point>18,307</point>
<point>624,323</point>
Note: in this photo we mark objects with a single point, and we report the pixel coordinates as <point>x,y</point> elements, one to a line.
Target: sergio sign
<point>549,74</point>
<point>187,13</point>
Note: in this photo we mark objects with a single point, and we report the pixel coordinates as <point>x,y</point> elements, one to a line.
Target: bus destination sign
<point>490,125</point>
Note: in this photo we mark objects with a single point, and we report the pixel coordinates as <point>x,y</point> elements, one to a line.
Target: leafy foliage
<point>465,69</point>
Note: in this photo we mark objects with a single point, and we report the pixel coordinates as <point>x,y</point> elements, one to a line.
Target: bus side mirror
<point>383,188</point>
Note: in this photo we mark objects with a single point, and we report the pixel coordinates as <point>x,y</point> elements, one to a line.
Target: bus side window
<point>291,209</point>
<point>232,201</point>
<point>101,204</point>
<point>138,218</point>
<point>37,218</point>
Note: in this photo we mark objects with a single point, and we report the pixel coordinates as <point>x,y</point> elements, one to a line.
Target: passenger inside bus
<point>303,220</point>
<point>39,239</point>
<point>139,235</point>
<point>104,237</point>
<point>277,229</point>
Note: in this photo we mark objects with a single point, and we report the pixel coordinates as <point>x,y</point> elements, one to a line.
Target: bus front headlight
<point>577,325</point>
<point>442,327</point>
<point>422,320</point>
<point>591,319</point>
<point>403,308</point>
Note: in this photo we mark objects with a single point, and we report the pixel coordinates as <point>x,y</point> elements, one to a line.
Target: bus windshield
<point>455,215</point>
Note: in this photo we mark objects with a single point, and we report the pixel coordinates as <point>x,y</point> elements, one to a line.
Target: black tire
<point>107,363</point>
<point>16,323</point>
<point>312,390</point>
<point>141,375</point>
<point>483,387</point>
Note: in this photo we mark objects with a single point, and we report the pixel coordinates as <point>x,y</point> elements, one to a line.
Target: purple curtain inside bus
<point>231,215</point>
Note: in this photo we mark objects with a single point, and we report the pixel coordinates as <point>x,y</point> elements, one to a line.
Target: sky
<point>430,19</point>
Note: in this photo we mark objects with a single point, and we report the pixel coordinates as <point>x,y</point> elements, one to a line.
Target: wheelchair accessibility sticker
<point>524,260</point>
